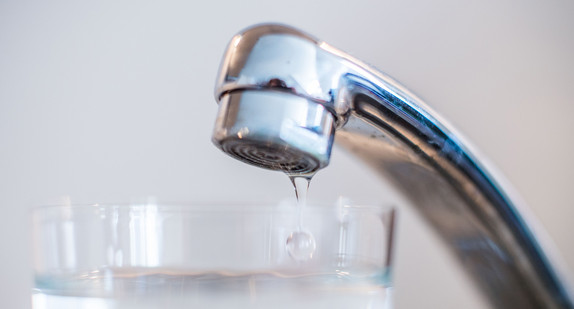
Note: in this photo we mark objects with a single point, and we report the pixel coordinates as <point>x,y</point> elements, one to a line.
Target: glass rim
<point>217,206</point>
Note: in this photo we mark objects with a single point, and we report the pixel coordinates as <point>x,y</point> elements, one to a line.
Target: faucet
<point>286,97</point>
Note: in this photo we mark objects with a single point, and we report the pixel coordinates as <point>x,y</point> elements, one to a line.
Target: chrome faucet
<point>283,97</point>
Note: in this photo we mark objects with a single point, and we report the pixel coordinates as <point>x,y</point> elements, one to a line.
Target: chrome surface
<point>290,134</point>
<point>274,79</point>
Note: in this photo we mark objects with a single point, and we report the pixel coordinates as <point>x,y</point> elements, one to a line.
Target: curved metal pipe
<point>284,94</point>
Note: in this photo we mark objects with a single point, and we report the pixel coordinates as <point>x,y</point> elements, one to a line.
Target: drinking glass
<point>212,256</point>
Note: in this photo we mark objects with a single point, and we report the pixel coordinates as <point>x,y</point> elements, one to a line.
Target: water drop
<point>301,245</point>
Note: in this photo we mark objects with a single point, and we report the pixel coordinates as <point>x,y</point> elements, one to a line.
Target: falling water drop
<point>300,243</point>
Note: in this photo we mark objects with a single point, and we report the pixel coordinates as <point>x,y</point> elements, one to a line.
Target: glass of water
<point>212,256</point>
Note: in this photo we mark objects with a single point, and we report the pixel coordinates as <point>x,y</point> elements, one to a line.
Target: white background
<point>111,101</point>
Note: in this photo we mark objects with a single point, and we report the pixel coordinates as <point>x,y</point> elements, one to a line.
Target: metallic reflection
<point>272,74</point>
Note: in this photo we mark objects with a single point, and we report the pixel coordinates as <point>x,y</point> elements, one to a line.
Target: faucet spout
<point>285,97</point>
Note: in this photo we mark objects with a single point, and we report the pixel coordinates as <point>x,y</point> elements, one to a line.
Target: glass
<point>212,256</point>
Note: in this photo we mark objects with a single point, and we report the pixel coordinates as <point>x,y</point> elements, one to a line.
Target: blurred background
<point>112,101</point>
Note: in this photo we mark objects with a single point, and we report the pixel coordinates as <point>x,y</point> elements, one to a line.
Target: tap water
<point>108,290</point>
<point>301,243</point>
<point>301,184</point>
